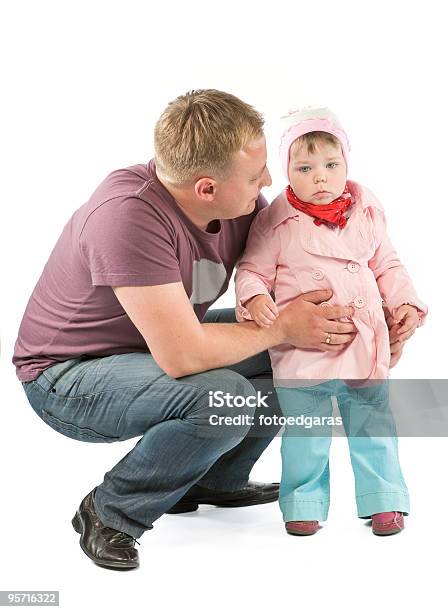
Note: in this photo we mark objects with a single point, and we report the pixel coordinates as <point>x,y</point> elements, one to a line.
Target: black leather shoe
<point>252,494</point>
<point>105,546</point>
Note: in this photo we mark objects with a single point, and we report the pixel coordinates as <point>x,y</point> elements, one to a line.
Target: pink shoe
<point>387,523</point>
<point>302,527</point>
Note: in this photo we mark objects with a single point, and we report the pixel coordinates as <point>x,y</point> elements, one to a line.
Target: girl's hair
<point>312,139</point>
<point>198,133</point>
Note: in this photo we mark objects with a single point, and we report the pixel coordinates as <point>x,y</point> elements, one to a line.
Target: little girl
<point>324,232</point>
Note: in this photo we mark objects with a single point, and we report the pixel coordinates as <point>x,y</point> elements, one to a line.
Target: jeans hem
<point>120,525</point>
<point>386,501</point>
<point>305,510</point>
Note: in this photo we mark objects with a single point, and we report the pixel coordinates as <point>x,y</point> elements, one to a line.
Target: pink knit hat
<point>309,119</point>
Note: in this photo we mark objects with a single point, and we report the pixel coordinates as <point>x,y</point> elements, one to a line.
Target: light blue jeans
<point>371,434</point>
<point>107,399</point>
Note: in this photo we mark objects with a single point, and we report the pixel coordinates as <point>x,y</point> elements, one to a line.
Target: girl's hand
<point>406,317</point>
<point>262,309</point>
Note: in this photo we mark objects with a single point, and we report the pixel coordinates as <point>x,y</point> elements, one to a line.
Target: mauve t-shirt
<point>131,232</point>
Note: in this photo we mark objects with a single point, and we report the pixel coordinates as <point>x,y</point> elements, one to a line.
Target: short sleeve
<point>128,242</point>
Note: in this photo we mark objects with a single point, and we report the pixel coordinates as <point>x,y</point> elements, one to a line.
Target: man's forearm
<point>221,344</point>
<point>205,346</point>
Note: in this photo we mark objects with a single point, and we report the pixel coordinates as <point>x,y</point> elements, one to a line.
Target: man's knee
<point>226,403</point>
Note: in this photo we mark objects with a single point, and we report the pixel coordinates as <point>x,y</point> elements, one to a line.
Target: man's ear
<point>205,189</point>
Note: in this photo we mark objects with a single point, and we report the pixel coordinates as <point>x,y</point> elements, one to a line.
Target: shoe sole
<point>191,507</point>
<point>77,526</point>
<point>386,533</point>
<point>301,533</point>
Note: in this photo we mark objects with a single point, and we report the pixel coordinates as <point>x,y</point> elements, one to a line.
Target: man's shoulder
<point>129,196</point>
<point>262,203</point>
<point>364,196</point>
<point>123,182</point>
<point>134,182</point>
<point>276,212</point>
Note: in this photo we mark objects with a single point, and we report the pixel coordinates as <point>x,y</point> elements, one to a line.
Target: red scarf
<point>332,214</point>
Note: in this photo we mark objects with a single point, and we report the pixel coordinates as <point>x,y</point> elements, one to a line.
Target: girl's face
<point>320,177</point>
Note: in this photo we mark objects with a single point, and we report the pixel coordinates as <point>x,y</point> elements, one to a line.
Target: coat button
<point>318,275</point>
<point>353,267</point>
<point>359,302</point>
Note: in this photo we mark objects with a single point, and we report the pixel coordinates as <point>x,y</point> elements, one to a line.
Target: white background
<point>82,85</point>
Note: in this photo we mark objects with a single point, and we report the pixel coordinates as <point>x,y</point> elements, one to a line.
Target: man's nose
<point>266,180</point>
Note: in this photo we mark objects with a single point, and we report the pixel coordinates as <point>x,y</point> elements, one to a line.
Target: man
<point>117,340</point>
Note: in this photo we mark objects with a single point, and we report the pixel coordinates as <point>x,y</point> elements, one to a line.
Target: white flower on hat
<point>309,112</point>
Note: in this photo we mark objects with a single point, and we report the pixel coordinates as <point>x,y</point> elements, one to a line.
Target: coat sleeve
<point>393,280</point>
<point>256,269</point>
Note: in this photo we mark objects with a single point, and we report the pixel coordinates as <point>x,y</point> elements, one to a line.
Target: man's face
<point>236,195</point>
<point>320,177</point>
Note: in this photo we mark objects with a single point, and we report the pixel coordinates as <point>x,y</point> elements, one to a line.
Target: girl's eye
<point>332,165</point>
<point>304,168</point>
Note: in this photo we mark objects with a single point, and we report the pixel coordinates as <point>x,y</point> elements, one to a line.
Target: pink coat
<point>287,253</point>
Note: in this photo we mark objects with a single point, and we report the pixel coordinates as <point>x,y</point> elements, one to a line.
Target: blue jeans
<point>107,399</point>
<point>371,434</point>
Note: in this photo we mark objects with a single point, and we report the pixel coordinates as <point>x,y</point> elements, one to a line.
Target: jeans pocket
<point>49,377</point>
<point>36,396</point>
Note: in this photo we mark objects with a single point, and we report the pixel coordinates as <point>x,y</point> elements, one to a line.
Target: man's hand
<point>407,319</point>
<point>305,324</point>
<point>396,350</point>
<point>401,329</point>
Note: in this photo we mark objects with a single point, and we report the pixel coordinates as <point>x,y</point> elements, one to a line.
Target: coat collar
<point>281,209</point>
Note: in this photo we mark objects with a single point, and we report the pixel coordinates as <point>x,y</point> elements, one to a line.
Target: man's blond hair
<point>198,134</point>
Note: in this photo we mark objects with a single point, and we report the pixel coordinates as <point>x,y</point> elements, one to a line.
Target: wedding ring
<point>328,339</point>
